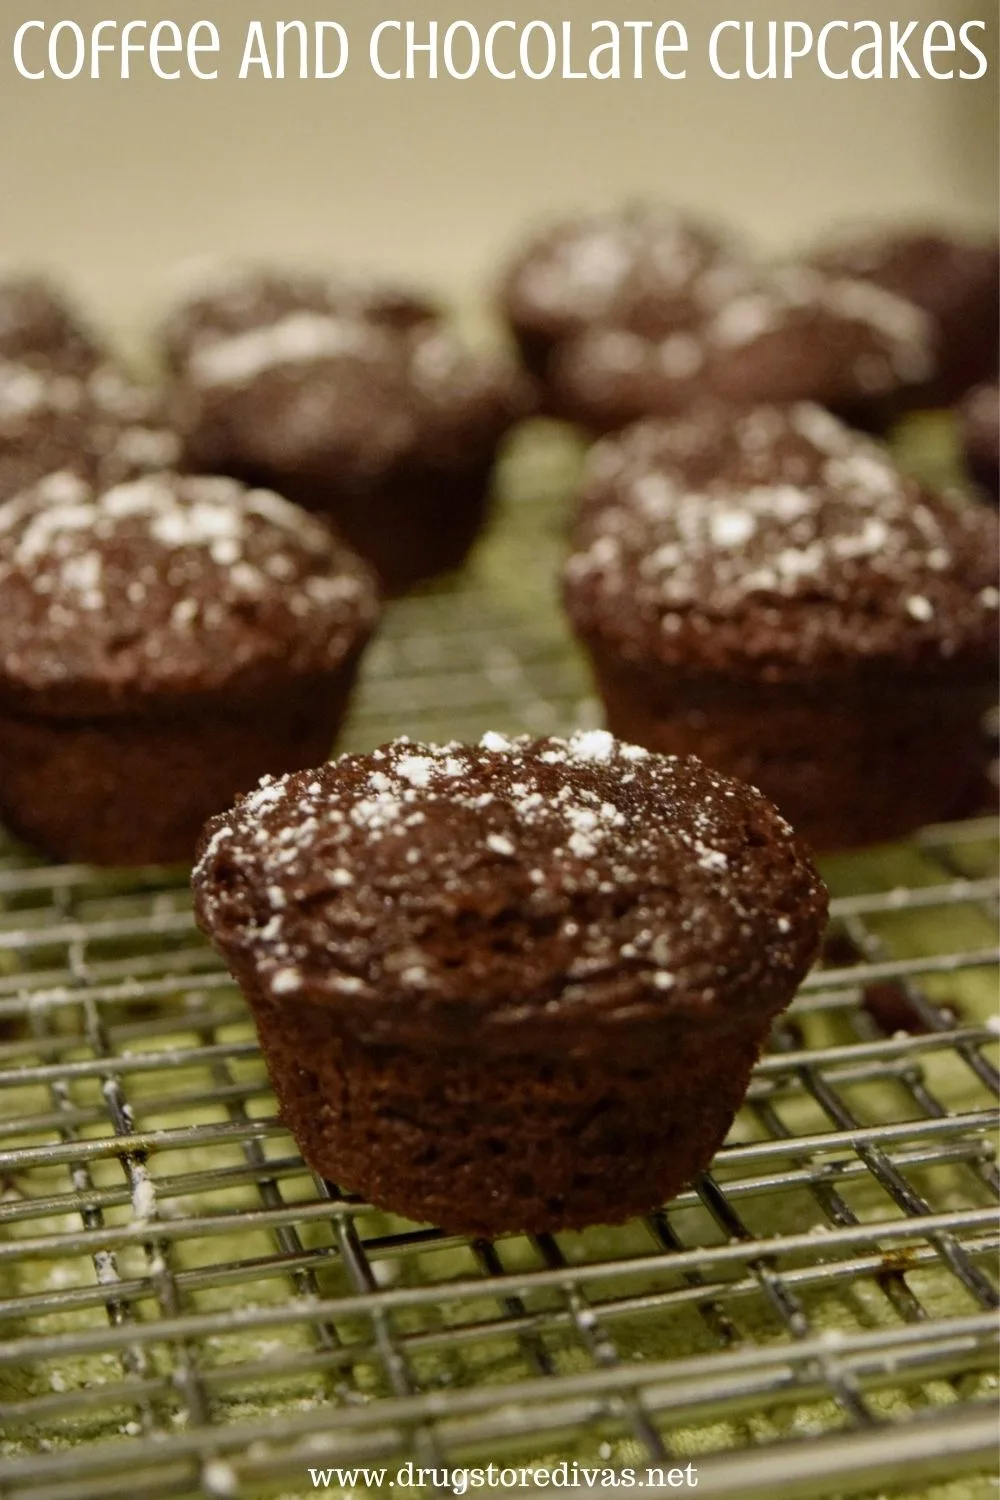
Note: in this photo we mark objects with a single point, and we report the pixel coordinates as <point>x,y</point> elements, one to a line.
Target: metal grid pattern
<point>187,1311</point>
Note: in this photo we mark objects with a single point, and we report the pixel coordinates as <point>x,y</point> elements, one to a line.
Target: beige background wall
<point>113,183</point>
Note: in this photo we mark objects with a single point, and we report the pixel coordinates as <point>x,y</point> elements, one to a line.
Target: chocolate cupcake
<point>373,414</point>
<point>770,593</point>
<point>512,986</point>
<point>648,270</point>
<point>791,335</point>
<point>39,326</point>
<point>163,644</point>
<point>235,300</point>
<point>96,423</point>
<point>979,418</point>
<point>956,281</point>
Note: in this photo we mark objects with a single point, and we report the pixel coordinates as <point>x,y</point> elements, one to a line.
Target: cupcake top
<point>789,335</point>
<point>954,279</point>
<point>458,887</point>
<point>777,544</point>
<point>97,423</point>
<point>38,325</point>
<point>234,300</point>
<point>980,421</point>
<point>167,585</point>
<point>648,268</point>
<point>341,393</point>
<point>940,273</point>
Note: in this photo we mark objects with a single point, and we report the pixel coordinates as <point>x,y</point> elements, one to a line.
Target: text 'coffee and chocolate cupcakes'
<point>771,593</point>
<point>516,985</point>
<point>163,644</point>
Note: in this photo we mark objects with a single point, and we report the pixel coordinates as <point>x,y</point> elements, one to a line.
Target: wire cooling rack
<point>187,1311</point>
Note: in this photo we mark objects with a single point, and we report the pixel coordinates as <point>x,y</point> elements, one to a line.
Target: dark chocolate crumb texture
<point>168,584</point>
<point>792,334</point>
<point>646,267</point>
<point>513,985</point>
<point>955,280</point>
<point>646,313</point>
<point>227,301</point>
<point>779,543</point>
<point>97,423</point>
<point>979,427</point>
<point>771,592</point>
<point>162,644</point>
<point>365,407</point>
<point>38,325</point>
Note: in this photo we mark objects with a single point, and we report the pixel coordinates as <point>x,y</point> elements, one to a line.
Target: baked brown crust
<point>232,300</point>
<point>163,644</point>
<point>98,423</point>
<point>39,326</point>
<point>429,894</point>
<point>518,985</point>
<point>364,406</point>
<point>790,335</point>
<point>168,587</point>
<point>954,279</point>
<point>979,426</point>
<point>777,545</point>
<point>646,270</point>
<point>769,592</point>
<point>647,313</point>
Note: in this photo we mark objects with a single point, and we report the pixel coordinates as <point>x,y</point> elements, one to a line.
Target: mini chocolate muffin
<point>979,418</point>
<point>512,986</point>
<point>237,299</point>
<point>374,415</point>
<point>957,283</point>
<point>38,326</point>
<point>98,424</point>
<point>163,644</point>
<point>770,593</point>
<point>647,269</point>
<point>791,335</point>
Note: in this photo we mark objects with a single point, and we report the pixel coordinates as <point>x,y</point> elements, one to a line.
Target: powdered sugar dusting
<point>160,566</point>
<point>298,338</point>
<point>602,264</point>
<point>55,531</point>
<point>29,391</point>
<point>410,832</point>
<point>690,513</point>
<point>645,351</point>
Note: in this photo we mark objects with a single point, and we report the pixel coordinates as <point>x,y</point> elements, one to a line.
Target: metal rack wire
<point>187,1311</point>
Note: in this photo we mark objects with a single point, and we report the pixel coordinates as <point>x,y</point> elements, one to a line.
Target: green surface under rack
<point>187,1311</point>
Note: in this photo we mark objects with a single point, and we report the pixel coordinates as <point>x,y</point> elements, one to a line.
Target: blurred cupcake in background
<point>979,418</point>
<point>955,279</point>
<point>40,326</point>
<point>645,313</point>
<point>362,404</point>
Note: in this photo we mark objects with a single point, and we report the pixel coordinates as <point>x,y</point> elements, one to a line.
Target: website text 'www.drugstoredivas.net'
<point>460,1481</point>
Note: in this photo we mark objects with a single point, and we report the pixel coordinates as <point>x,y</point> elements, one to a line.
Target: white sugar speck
<point>285,981</point>
<point>592,744</point>
<point>919,607</point>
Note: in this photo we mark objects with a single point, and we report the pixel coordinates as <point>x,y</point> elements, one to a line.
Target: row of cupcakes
<point>363,403</point>
<point>765,590</point>
<point>758,585</point>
